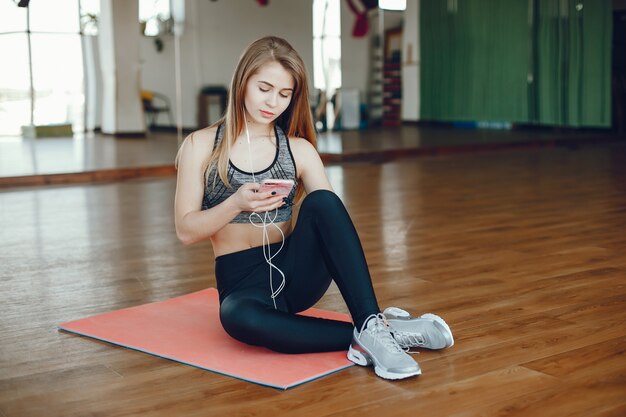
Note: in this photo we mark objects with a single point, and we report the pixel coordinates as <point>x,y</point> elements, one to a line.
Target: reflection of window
<point>14,73</point>
<point>155,16</point>
<point>59,16</point>
<point>392,4</point>
<point>12,18</point>
<point>14,82</point>
<point>326,45</point>
<point>42,82</point>
<point>89,13</point>
<point>59,87</point>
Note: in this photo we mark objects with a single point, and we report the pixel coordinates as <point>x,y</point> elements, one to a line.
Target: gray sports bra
<point>283,167</point>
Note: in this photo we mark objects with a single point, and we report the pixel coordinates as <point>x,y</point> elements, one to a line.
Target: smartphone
<point>281,187</point>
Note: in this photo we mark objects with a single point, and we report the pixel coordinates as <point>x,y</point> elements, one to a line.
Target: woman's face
<point>268,92</point>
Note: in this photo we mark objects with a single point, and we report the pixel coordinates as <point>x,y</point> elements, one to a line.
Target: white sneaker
<point>426,331</point>
<point>374,345</point>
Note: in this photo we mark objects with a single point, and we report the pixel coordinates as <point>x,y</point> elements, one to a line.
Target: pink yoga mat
<point>187,329</point>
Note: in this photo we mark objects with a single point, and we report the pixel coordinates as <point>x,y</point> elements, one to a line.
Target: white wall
<point>355,56</point>
<point>119,52</point>
<point>158,72</point>
<point>411,62</point>
<point>215,35</point>
<point>107,66</point>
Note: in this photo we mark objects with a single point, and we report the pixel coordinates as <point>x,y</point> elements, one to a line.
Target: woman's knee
<point>240,317</point>
<point>249,321</point>
<point>321,200</point>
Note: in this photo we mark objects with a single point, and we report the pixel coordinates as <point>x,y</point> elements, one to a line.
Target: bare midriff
<point>236,237</point>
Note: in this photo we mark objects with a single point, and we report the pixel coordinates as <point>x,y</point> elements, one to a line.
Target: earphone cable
<point>267,254</point>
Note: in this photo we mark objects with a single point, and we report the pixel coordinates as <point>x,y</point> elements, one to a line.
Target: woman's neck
<point>256,130</point>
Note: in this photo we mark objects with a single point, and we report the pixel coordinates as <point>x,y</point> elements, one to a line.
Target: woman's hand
<point>247,198</point>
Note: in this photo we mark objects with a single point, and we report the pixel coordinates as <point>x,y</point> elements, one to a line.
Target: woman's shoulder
<point>303,151</point>
<point>197,146</point>
<point>202,140</point>
<point>205,136</point>
<point>301,145</point>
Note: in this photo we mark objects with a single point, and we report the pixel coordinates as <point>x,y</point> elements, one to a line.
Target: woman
<point>263,278</point>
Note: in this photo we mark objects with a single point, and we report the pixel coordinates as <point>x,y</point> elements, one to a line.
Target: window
<point>326,45</point>
<point>155,16</point>
<point>392,4</point>
<point>326,59</point>
<point>14,72</point>
<point>42,83</point>
<point>89,14</point>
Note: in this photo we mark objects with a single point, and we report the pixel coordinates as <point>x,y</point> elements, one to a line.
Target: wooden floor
<point>523,252</point>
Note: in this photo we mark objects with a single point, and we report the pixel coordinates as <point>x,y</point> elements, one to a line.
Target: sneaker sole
<point>393,376</point>
<point>365,359</point>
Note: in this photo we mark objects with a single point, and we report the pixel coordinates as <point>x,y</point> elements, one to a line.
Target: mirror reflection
<point>92,85</point>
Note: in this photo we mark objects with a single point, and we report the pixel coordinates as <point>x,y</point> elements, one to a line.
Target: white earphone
<point>267,220</point>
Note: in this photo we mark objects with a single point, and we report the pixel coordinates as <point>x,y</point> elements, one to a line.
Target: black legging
<point>323,244</point>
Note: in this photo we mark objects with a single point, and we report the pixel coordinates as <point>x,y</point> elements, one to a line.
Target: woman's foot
<point>426,331</point>
<point>374,345</point>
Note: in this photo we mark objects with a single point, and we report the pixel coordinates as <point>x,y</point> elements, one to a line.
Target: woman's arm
<point>194,224</point>
<point>309,165</point>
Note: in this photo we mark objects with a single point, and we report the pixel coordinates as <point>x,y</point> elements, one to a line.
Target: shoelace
<point>408,340</point>
<point>381,333</point>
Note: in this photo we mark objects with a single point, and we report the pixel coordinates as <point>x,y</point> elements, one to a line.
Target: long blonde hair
<point>296,120</point>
